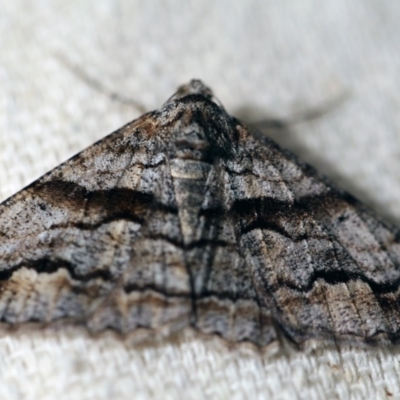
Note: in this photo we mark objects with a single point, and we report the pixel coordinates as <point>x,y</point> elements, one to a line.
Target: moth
<point>185,217</point>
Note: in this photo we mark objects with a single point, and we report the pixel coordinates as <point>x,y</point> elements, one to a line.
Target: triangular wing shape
<point>323,264</point>
<point>68,239</point>
<point>184,218</point>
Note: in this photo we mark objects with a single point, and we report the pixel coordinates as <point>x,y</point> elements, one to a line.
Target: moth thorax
<point>191,143</point>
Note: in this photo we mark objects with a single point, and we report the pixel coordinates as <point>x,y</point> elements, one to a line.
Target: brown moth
<point>186,218</point>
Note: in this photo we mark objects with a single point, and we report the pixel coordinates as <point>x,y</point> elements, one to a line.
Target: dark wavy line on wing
<point>271,214</point>
<point>45,265</point>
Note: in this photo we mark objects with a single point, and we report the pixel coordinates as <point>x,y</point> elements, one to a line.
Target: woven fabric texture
<point>263,58</point>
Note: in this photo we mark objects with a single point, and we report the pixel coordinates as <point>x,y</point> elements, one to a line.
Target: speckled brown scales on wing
<point>183,218</point>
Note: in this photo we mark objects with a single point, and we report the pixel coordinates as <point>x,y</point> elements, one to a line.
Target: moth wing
<point>260,243</point>
<point>323,265</point>
<point>75,245</point>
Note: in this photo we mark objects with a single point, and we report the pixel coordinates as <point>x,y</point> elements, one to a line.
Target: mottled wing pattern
<point>84,242</point>
<point>184,218</point>
<point>322,265</point>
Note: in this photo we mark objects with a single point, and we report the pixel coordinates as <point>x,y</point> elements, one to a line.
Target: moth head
<point>195,86</point>
<point>203,128</point>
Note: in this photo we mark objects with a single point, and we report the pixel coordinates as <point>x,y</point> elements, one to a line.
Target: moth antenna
<point>99,87</point>
<point>305,115</point>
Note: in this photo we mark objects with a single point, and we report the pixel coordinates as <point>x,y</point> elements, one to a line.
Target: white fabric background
<point>262,58</point>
